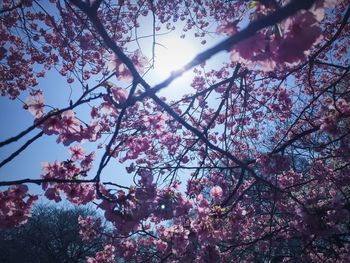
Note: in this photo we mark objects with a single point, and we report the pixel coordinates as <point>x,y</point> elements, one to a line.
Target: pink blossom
<point>53,194</point>
<point>301,32</point>
<point>156,122</point>
<point>86,163</point>
<point>69,122</point>
<point>104,256</point>
<point>71,128</point>
<point>35,104</point>
<point>136,147</point>
<point>298,35</point>
<point>216,192</point>
<point>121,70</point>
<point>228,28</point>
<point>251,47</point>
<point>80,193</point>
<point>67,126</point>
<point>161,245</point>
<point>146,177</point>
<point>15,205</point>
<point>119,94</point>
<point>52,125</point>
<point>129,249</point>
<point>89,227</point>
<point>77,153</point>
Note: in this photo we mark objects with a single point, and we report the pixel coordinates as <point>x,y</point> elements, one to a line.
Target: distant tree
<point>50,235</point>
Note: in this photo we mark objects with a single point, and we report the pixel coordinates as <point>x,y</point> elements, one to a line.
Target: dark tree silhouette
<point>50,235</point>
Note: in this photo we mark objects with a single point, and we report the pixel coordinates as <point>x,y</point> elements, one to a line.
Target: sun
<point>171,54</point>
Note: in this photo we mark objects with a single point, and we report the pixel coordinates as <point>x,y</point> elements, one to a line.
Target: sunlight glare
<point>172,54</point>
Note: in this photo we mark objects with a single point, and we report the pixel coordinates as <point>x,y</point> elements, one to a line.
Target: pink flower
<point>77,152</point>
<point>136,147</point>
<point>69,122</point>
<point>216,192</point>
<point>119,94</point>
<point>146,177</point>
<point>228,28</point>
<point>67,126</point>
<point>86,164</point>
<point>35,104</point>
<point>251,47</point>
<point>89,227</point>
<point>161,245</point>
<point>104,256</point>
<point>15,206</point>
<point>121,70</point>
<point>53,194</point>
<point>71,128</point>
<point>80,193</point>
<point>301,32</point>
<point>297,35</point>
<point>52,125</point>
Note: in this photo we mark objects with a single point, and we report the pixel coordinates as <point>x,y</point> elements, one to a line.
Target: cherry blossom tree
<point>263,137</point>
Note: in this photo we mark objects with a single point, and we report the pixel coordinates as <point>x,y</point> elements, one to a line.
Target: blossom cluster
<point>15,206</point>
